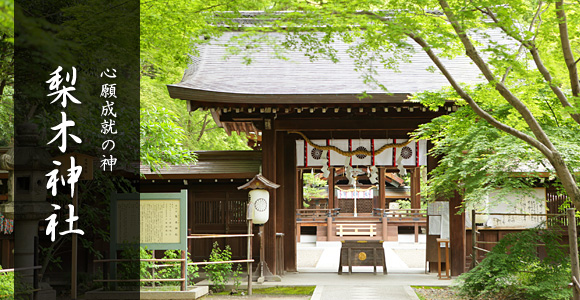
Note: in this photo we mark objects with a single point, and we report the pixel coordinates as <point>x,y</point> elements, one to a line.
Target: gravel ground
<point>414,258</point>
<point>308,258</point>
<point>437,294</point>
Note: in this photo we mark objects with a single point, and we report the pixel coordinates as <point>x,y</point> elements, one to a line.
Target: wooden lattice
<point>364,205</point>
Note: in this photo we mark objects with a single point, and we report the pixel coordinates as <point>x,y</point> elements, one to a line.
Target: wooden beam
<point>339,125</point>
<point>362,134</point>
<point>201,176</point>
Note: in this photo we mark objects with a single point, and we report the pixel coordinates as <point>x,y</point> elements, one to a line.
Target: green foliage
<point>313,188</point>
<point>10,283</point>
<point>7,285</point>
<point>6,72</point>
<point>174,270</point>
<point>285,290</point>
<point>480,158</point>
<point>7,17</point>
<point>161,140</point>
<point>280,290</point>
<point>170,31</point>
<point>515,92</point>
<point>236,276</point>
<point>219,274</point>
<point>6,116</point>
<point>134,269</point>
<point>512,269</point>
<point>404,204</point>
<point>199,129</point>
<point>144,269</point>
<point>93,218</point>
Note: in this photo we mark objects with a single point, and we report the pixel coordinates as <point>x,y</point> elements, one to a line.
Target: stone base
<point>193,293</point>
<point>45,294</point>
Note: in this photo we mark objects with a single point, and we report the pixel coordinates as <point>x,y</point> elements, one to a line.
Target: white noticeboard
<point>519,202</point>
<point>438,213</point>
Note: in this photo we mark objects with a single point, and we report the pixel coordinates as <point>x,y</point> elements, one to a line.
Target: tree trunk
<point>567,178</point>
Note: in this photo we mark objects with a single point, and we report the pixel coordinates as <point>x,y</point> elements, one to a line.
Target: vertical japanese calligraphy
<point>108,92</point>
<point>61,91</point>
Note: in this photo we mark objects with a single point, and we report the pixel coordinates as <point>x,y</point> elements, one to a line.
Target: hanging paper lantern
<point>260,202</point>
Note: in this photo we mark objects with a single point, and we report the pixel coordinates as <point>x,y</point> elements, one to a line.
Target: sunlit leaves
<point>161,140</point>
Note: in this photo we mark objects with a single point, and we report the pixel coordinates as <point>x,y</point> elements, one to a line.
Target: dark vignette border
<point>91,36</point>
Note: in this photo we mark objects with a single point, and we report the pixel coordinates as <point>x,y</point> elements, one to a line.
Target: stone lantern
<point>27,167</point>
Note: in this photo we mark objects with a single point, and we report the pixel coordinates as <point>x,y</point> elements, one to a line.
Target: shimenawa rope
<point>350,153</point>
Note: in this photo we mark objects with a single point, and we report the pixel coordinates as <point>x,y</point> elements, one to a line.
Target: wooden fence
<point>184,263</point>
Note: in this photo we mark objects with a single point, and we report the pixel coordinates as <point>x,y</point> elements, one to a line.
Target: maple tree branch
<point>530,45</point>
<point>205,122</point>
<point>567,50</point>
<point>471,51</point>
<point>546,74</point>
<point>537,15</point>
<point>478,110</point>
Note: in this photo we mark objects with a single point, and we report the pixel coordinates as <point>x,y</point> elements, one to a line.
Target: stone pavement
<point>404,256</point>
<point>363,285</point>
<point>318,265</point>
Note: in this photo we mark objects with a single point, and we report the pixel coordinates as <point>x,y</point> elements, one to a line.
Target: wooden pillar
<point>385,228</point>
<point>297,198</point>
<point>457,235</point>
<point>6,252</point>
<point>280,169</point>
<point>431,246</point>
<point>416,188</point>
<point>299,189</point>
<point>330,182</point>
<point>329,228</point>
<point>289,183</point>
<point>269,171</point>
<point>382,187</point>
<point>280,195</point>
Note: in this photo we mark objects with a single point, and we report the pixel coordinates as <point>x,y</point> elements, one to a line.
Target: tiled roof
<point>268,77</point>
<point>212,164</point>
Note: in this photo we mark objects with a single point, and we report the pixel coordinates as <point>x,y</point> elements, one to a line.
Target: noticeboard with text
<point>532,201</point>
<point>157,221</point>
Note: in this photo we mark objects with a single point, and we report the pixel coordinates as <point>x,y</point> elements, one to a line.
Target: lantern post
<point>259,206</point>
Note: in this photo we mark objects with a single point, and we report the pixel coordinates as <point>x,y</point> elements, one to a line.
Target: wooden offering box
<point>362,253</point>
